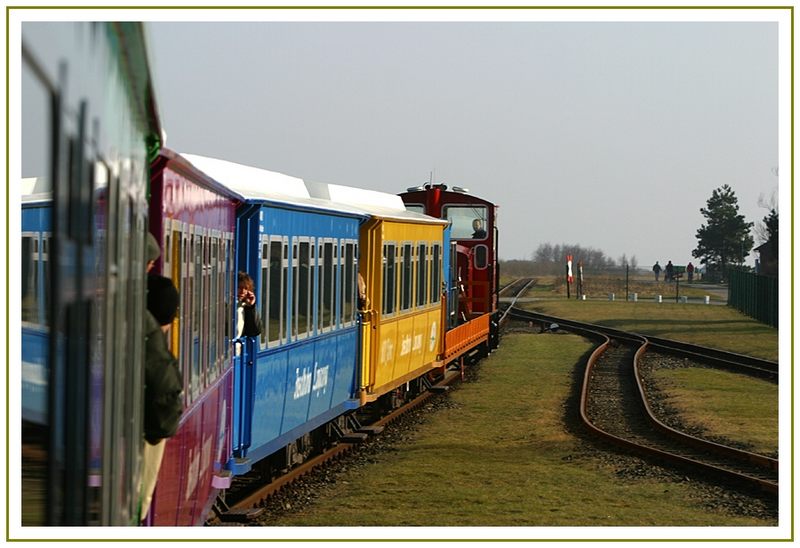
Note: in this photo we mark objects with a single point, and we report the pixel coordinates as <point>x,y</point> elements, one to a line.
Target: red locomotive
<point>473,284</point>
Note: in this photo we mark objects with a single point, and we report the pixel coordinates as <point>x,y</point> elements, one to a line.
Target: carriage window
<point>295,287</point>
<point>200,304</point>
<point>406,277</point>
<point>213,305</point>
<point>303,291</point>
<point>348,313</point>
<point>319,288</point>
<point>436,273</point>
<point>416,208</point>
<point>264,290</point>
<point>313,279</point>
<point>274,298</point>
<point>30,278</point>
<point>422,275</point>
<point>326,307</point>
<point>222,300</point>
<point>481,256</point>
<point>230,294</point>
<point>468,222</point>
<point>389,278</point>
<point>337,286</point>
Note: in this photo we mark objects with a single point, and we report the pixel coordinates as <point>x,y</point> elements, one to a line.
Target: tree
<point>767,229</point>
<point>725,238</point>
<point>771,226</point>
<point>550,259</point>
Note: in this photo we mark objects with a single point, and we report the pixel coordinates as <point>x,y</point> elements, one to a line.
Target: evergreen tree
<point>725,238</point>
<point>771,226</point>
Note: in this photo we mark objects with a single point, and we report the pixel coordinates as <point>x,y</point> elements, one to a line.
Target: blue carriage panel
<point>297,388</point>
<point>270,391</point>
<point>34,375</point>
<point>344,385</point>
<point>301,371</point>
<point>326,366</point>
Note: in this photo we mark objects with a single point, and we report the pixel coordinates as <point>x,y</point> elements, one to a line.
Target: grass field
<point>507,453</point>
<point>707,325</point>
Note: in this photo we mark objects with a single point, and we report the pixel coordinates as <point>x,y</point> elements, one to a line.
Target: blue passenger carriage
<point>300,373</point>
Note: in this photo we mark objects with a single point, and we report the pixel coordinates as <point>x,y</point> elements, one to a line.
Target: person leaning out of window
<point>248,323</point>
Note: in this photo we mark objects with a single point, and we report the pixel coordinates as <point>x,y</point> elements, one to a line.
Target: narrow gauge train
<point>320,360</point>
<point>327,353</point>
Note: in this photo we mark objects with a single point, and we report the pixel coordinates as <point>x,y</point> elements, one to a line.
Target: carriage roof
<point>260,185</point>
<point>36,190</point>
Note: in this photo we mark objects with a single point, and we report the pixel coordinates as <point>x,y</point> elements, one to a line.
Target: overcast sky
<point>610,135</point>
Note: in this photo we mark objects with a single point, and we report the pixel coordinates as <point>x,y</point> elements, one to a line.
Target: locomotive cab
<point>473,279</point>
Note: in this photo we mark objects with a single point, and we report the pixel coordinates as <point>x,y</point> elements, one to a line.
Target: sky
<point>607,134</point>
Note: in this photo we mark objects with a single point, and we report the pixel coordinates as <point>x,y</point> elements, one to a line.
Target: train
<point>365,297</point>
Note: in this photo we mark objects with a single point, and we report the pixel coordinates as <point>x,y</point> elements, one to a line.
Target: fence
<point>754,295</point>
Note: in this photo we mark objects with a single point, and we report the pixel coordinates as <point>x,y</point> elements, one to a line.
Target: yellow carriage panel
<point>401,263</point>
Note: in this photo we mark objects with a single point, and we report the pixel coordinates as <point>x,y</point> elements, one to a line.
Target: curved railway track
<point>614,405</point>
<point>515,289</point>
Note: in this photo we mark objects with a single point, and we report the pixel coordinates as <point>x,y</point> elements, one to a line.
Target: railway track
<point>614,406</point>
<point>514,290</point>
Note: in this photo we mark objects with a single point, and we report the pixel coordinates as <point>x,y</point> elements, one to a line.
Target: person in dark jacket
<point>668,272</point>
<point>479,233</point>
<point>657,269</point>
<point>163,383</point>
<point>248,323</point>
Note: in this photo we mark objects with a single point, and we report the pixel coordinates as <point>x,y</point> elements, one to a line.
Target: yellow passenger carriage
<point>402,256</point>
<point>403,330</point>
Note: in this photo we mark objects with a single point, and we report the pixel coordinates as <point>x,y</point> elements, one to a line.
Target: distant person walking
<point>657,269</point>
<point>668,272</point>
<point>690,272</point>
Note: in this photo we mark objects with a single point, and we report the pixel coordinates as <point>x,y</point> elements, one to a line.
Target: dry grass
<point>726,405</point>
<point>707,325</point>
